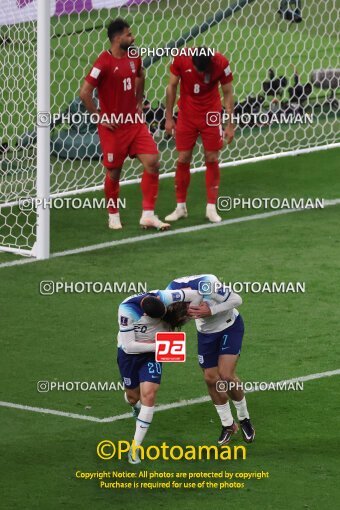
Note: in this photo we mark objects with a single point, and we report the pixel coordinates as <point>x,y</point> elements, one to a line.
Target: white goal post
<point>286,80</point>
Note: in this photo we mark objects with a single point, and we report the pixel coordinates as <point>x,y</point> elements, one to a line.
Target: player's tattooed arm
<point>171,93</point>
<point>228,101</point>
<point>140,83</point>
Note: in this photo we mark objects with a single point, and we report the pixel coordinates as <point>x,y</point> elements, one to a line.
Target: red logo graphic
<point>170,346</point>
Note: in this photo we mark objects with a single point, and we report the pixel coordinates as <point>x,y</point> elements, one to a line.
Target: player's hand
<point>170,127</point>
<point>229,133</point>
<point>199,311</point>
<point>110,125</point>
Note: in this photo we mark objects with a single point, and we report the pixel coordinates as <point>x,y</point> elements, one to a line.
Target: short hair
<point>153,307</point>
<point>116,26</point>
<point>202,59</point>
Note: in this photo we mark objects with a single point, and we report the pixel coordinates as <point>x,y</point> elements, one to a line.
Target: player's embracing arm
<point>126,335</point>
<point>171,93</point>
<point>228,99</point>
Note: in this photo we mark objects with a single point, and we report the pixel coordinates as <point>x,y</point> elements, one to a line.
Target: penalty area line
<point>161,407</point>
<point>168,233</point>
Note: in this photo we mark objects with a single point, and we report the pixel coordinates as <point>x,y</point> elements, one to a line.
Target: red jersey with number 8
<point>199,91</point>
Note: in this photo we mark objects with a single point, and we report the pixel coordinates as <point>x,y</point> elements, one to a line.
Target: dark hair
<point>176,315</point>
<point>115,27</point>
<point>202,59</point>
<point>153,307</point>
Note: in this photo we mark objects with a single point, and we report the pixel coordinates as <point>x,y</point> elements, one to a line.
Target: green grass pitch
<point>73,337</point>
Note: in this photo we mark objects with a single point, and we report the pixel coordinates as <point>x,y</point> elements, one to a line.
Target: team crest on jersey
<point>110,157</point>
<point>200,359</point>
<point>176,296</point>
<point>132,65</point>
<point>207,78</point>
<point>127,381</point>
<point>124,320</point>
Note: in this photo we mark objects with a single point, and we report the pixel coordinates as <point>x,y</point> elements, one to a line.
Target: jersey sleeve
<point>232,300</point>
<point>168,297</point>
<point>175,67</point>
<point>226,75</point>
<point>97,71</point>
<point>127,337</point>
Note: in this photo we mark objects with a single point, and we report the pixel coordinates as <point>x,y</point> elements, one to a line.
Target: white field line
<point>168,233</point>
<point>162,407</point>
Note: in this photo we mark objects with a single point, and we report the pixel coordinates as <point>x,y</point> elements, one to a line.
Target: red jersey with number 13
<point>115,79</point>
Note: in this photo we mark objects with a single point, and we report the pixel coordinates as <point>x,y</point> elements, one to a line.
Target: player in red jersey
<point>119,80</point>
<point>200,74</point>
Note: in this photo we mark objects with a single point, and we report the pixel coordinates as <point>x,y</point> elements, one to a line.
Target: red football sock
<point>111,190</point>
<point>149,187</point>
<point>182,181</point>
<point>212,181</point>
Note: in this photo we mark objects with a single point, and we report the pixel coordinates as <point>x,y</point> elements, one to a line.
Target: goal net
<point>285,85</point>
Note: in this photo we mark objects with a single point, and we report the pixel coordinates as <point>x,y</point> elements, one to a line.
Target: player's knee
<point>184,157</point>
<point>227,376</point>
<point>211,378</point>
<point>153,165</point>
<point>148,397</point>
<point>211,158</point>
<point>114,173</point>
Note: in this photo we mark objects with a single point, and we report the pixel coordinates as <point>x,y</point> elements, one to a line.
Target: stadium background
<point>72,337</point>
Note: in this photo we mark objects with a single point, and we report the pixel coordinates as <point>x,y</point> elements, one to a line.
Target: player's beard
<point>125,46</point>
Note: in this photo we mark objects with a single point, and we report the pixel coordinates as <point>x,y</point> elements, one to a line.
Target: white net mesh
<point>254,37</point>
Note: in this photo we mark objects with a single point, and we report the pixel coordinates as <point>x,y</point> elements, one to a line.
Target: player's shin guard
<point>111,190</point>
<point>212,181</point>
<point>241,409</point>
<point>225,415</point>
<point>182,181</point>
<point>149,186</point>
<point>143,423</point>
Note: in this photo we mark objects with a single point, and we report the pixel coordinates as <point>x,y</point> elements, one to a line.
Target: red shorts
<point>125,141</point>
<point>188,128</point>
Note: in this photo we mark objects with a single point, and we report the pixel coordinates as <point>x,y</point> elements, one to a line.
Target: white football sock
<point>241,409</point>
<point>211,207</point>
<point>114,216</point>
<point>225,415</point>
<point>148,214</point>
<point>143,423</point>
<point>181,205</point>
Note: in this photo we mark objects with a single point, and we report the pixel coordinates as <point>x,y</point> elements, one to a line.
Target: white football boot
<point>114,221</point>
<point>133,459</point>
<point>177,214</point>
<point>152,221</point>
<point>211,214</point>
